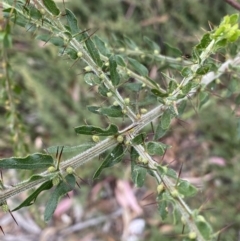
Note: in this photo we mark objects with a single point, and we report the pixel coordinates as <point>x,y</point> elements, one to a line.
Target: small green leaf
<point>203,97</point>
<point>94,109</point>
<point>30,162</point>
<point>93,130</point>
<point>32,198</point>
<point>186,88</point>
<point>139,139</point>
<point>138,175</point>
<point>159,93</point>
<point>141,69</point>
<point>204,228</point>
<point>72,22</point>
<point>155,148</point>
<point>162,209</point>
<point>111,111</point>
<point>113,71</point>
<point>203,70</point>
<point>91,79</point>
<point>112,159</point>
<point>130,43</point>
<point>61,189</point>
<point>166,119</point>
<point>159,132</point>
<point>93,51</point>
<point>103,90</point>
<point>186,189</point>
<point>172,86</point>
<point>172,50</point>
<point>101,46</point>
<point>181,107</point>
<point>151,44</point>
<point>71,53</point>
<point>120,61</point>
<point>136,87</point>
<point>51,7</point>
<point>186,71</point>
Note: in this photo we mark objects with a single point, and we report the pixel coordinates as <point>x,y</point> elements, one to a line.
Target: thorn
<point>149,204</point>
<point>1,175</point>
<point>61,153</point>
<point>183,229</point>
<point>152,127</point>
<point>179,174</point>
<point>13,217</point>
<point>2,230</point>
<point>57,153</point>
<point>149,195</point>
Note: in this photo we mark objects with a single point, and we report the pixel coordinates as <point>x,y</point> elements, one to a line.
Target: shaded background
<point>52,98</point>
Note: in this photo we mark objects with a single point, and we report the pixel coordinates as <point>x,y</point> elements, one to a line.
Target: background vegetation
<point>52,98</point>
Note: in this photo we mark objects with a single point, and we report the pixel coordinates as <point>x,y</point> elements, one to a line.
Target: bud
<point>192,235</point>
<point>109,94</point>
<point>160,188</point>
<point>88,68</point>
<point>79,54</point>
<point>56,181</point>
<point>143,111</point>
<point>51,169</point>
<point>120,139</point>
<point>95,138</point>
<point>70,170</point>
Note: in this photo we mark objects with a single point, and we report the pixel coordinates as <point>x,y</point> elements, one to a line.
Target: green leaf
<point>159,93</point>
<point>103,90</point>
<point>203,97</point>
<point>139,139</point>
<point>186,71</point>
<point>186,188</point>
<point>111,111</point>
<point>112,159</point>
<point>93,130</point>
<point>203,70</point>
<point>61,189</point>
<point>172,50</point>
<point>101,46</point>
<point>151,44</point>
<point>130,43</point>
<point>72,23</point>
<point>138,175</point>
<point>186,88</point>
<point>71,53</point>
<point>162,209</point>
<point>136,87</point>
<point>30,162</point>
<point>204,227</point>
<point>113,71</point>
<point>51,7</point>
<point>120,61</point>
<point>155,148</point>
<point>159,132</point>
<point>32,198</point>
<point>181,107</point>
<point>166,119</point>
<point>205,41</point>
<point>172,86</point>
<point>91,79</point>
<point>93,51</point>
<point>141,69</point>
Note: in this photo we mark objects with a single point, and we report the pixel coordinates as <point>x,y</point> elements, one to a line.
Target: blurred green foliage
<point>52,96</point>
